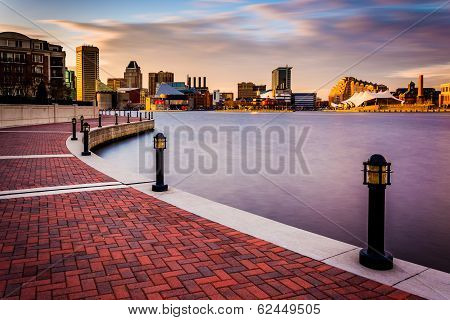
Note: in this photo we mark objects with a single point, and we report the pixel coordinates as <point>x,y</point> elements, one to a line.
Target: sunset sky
<point>230,41</point>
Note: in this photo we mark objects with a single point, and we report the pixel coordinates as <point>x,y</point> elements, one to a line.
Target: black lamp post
<point>117,120</point>
<point>99,120</point>
<point>81,123</point>
<point>128,118</point>
<point>377,175</point>
<point>159,143</point>
<point>86,129</point>
<point>74,129</point>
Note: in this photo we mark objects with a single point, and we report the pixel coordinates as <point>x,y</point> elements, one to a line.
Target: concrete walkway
<point>68,231</point>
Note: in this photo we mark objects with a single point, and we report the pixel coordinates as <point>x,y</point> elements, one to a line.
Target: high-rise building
<point>116,83</point>
<point>87,72</point>
<point>25,62</point>
<point>133,75</point>
<point>281,80</point>
<point>158,77</point>
<point>248,90</point>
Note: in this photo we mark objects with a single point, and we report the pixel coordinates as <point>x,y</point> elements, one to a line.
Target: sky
<point>230,41</point>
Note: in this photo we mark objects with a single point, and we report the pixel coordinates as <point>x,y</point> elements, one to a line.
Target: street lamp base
<point>375,260</point>
<point>160,188</point>
<point>86,153</point>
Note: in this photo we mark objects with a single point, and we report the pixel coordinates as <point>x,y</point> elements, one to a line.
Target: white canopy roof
<point>359,98</point>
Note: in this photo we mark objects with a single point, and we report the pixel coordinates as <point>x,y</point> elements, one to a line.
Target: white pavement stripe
<point>37,156</point>
<point>56,192</point>
<point>57,188</point>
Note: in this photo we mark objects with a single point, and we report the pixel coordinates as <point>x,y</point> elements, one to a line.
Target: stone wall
<point>21,115</point>
<point>99,136</point>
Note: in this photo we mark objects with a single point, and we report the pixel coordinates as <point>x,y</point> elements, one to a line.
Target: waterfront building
<point>167,98</point>
<point>144,95</point>
<point>248,90</point>
<point>177,85</point>
<point>128,97</point>
<point>418,95</point>
<point>304,100</point>
<point>87,71</point>
<point>216,97</point>
<point>133,75</point>
<point>282,80</point>
<point>158,77</point>
<point>106,97</point>
<point>348,86</point>
<point>70,80</point>
<point>116,83</point>
<point>444,97</point>
<point>26,62</point>
<point>227,96</point>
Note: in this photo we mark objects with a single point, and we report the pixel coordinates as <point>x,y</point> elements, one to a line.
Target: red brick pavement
<point>44,138</point>
<point>18,143</point>
<point>46,172</point>
<point>123,244</point>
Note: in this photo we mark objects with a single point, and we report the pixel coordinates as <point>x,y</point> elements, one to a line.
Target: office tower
<point>87,72</point>
<point>133,75</point>
<point>281,80</point>
<point>158,77</point>
<point>116,83</point>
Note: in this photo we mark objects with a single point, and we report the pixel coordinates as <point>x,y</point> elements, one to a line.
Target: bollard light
<point>377,175</point>
<point>74,129</point>
<point>140,116</point>
<point>117,119</point>
<point>145,114</point>
<point>159,143</point>
<point>100,120</point>
<point>128,118</point>
<point>86,129</point>
<point>81,123</point>
<point>152,115</point>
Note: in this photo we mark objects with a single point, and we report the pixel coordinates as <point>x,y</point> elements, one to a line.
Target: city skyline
<point>232,41</point>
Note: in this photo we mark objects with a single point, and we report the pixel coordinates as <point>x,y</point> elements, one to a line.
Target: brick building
<point>25,62</point>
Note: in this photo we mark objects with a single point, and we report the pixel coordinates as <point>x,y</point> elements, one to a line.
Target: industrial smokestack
<point>188,81</point>
<point>204,82</point>
<point>420,89</point>
<point>195,82</point>
<point>200,82</point>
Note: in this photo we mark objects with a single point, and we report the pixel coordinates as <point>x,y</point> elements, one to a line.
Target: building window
<point>38,46</point>
<point>37,58</point>
<point>19,57</point>
<point>19,69</point>
<point>38,69</point>
<point>18,44</point>
<point>8,57</point>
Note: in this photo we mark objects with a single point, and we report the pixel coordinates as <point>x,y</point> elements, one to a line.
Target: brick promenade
<point>123,244</point>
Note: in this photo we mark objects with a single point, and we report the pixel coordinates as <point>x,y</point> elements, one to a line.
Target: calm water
<point>331,199</point>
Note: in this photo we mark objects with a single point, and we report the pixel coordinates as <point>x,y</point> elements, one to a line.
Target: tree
<point>41,93</point>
